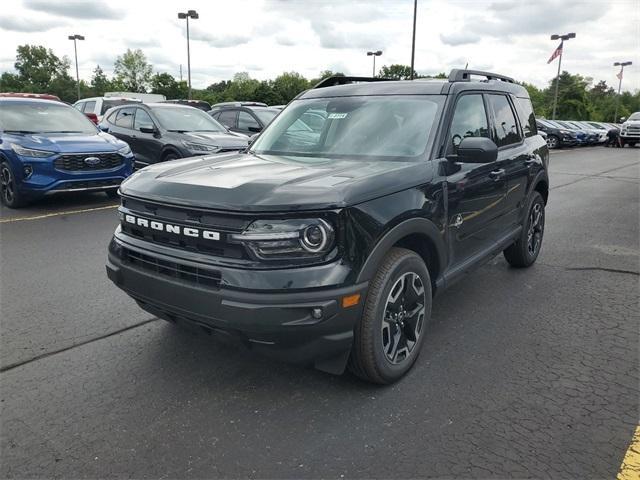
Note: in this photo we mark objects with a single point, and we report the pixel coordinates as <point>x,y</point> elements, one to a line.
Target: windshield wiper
<point>178,131</point>
<point>65,131</point>
<point>20,131</point>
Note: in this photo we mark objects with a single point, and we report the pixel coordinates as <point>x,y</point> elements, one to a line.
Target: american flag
<point>619,74</point>
<point>556,53</point>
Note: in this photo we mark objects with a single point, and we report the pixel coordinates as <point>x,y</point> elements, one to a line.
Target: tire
<point>524,252</point>
<point>553,142</point>
<point>631,144</point>
<point>386,347</point>
<point>170,156</point>
<point>9,194</point>
<point>113,193</point>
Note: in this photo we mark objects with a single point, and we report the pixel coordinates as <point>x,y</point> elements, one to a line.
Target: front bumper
<point>276,323</point>
<point>45,179</point>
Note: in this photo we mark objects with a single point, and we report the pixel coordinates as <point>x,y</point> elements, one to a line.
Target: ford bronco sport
<point>324,245</point>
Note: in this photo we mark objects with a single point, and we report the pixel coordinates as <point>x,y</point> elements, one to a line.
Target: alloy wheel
<point>535,230</point>
<point>552,142</point>
<point>7,187</point>
<point>403,319</point>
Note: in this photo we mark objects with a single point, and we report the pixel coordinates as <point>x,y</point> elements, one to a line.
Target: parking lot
<point>524,373</point>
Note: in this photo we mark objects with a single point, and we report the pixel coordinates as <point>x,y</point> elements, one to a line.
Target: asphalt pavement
<point>524,373</point>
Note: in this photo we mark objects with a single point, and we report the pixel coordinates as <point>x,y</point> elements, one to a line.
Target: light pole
<point>374,55</point>
<point>559,49</point>
<point>76,37</point>
<point>189,14</point>
<point>413,40</point>
<point>621,65</point>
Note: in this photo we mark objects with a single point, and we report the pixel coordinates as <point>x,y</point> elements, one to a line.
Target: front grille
<point>77,161</point>
<point>224,224</point>
<point>197,275</point>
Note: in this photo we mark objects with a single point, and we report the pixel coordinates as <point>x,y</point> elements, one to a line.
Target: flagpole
<point>555,97</point>
<point>622,65</point>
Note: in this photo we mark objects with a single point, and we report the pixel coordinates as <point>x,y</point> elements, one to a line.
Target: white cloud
<point>267,37</point>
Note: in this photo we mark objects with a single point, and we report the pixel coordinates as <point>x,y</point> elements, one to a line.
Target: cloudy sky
<point>267,37</point>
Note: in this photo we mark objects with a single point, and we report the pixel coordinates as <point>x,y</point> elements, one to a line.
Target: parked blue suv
<point>48,147</point>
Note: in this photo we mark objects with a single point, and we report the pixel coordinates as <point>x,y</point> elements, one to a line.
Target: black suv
<point>157,132</point>
<point>327,248</point>
<point>247,118</point>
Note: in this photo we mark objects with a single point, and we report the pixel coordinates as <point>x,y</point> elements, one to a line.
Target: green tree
<point>397,72</point>
<point>133,71</point>
<point>37,67</point>
<point>99,82</point>
<point>167,85</point>
<point>10,82</point>
<point>289,84</point>
<point>573,101</point>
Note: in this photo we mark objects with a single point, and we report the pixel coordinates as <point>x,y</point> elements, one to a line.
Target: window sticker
<point>337,115</point>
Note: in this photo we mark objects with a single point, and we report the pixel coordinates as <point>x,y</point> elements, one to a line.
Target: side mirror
<point>255,129</point>
<point>103,127</point>
<point>252,138</point>
<point>476,150</point>
<point>148,129</point>
<point>623,119</point>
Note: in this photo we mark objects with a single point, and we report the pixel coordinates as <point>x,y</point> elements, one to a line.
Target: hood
<point>68,142</point>
<point>216,139</point>
<point>630,123</point>
<point>249,182</point>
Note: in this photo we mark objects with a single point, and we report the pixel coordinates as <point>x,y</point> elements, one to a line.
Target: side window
<point>505,126</point>
<point>469,120</point>
<point>142,120</point>
<point>247,122</point>
<point>527,118</point>
<point>124,118</point>
<point>79,106</point>
<point>89,107</point>
<point>228,118</point>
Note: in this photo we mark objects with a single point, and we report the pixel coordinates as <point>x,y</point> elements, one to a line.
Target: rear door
<point>121,125</point>
<point>514,155</point>
<point>227,118</point>
<point>475,191</point>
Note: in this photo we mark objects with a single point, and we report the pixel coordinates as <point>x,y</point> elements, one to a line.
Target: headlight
<point>199,147</point>
<point>565,132</point>
<point>126,150</point>
<point>288,239</point>
<point>29,152</point>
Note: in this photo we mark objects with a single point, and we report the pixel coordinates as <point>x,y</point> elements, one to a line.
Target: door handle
<point>497,174</point>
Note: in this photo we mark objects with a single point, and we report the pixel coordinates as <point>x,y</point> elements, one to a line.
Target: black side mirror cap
<point>476,150</point>
<point>255,129</point>
<point>148,130</point>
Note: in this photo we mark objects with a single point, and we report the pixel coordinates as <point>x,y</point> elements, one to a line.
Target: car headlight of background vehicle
<point>124,151</point>
<point>199,147</point>
<point>288,239</point>
<point>30,152</point>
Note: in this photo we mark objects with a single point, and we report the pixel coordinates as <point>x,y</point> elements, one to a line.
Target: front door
<point>146,146</point>
<point>476,191</point>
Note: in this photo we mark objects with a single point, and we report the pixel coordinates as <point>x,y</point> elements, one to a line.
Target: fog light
<point>316,313</point>
<point>28,171</point>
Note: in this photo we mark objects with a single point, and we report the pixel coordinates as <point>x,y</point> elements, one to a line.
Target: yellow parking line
<point>630,468</point>
<point>55,214</point>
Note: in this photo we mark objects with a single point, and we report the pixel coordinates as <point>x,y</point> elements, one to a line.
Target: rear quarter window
<point>526,116</point>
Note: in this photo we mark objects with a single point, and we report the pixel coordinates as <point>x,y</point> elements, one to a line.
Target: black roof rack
<point>342,80</point>
<point>459,75</point>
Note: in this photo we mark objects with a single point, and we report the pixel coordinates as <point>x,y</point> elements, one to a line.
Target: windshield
<point>635,116</point>
<point>385,126</point>
<point>186,119</point>
<point>265,115</point>
<point>43,117</point>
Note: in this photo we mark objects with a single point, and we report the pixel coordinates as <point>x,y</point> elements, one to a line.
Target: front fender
<point>421,226</point>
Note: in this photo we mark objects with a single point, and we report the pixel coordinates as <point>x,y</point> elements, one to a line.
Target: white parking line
<point>56,214</point>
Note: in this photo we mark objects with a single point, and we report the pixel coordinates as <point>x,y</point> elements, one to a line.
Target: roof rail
<point>459,75</point>
<point>342,80</point>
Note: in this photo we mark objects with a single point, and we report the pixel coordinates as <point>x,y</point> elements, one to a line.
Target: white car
<point>99,105</point>
<point>630,130</point>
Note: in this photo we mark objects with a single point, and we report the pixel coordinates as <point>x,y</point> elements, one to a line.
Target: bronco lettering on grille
<point>170,228</point>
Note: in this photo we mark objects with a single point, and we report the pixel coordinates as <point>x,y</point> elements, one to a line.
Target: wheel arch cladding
<point>168,150</point>
<point>417,234</point>
<point>542,186</point>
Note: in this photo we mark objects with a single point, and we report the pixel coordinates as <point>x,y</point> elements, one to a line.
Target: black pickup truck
<point>324,244</point>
